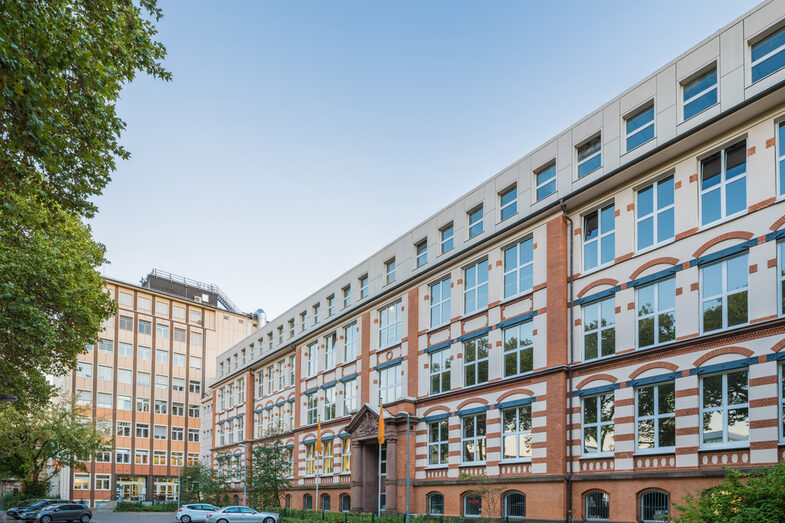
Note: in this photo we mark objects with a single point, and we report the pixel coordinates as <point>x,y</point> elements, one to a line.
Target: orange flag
<point>319,437</point>
<point>381,425</point>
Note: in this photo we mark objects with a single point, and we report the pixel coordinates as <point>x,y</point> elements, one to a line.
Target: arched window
<point>288,501</point>
<point>435,504</point>
<point>597,506</point>
<point>324,501</point>
<point>472,506</point>
<point>236,499</point>
<point>346,503</point>
<point>655,506</point>
<point>308,502</point>
<point>515,505</point>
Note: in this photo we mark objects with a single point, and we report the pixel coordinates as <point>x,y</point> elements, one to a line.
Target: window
<point>143,379</point>
<point>655,506</point>
<point>161,330</point>
<point>439,370</point>
<point>518,349</point>
<point>310,468</point>
<point>390,384</point>
<point>475,221</point>
<point>724,293</point>
<point>142,457</point>
<point>193,435</point>
<point>193,411</point>
<point>178,433</point>
<point>329,351</point>
<point>291,331</point>
<point>194,315</point>
<point>303,321</point>
<point>347,296</point>
<point>597,506</point>
<point>105,346</point>
<point>194,387</point>
<point>84,369</point>
<point>144,303</point>
<point>508,202</point>
<point>104,400</point>
<point>724,183</point>
<point>699,93</point>
<point>656,416</point>
<point>421,253</point>
<point>142,430</point>
<point>655,213</point>
<point>281,375</point>
<point>122,456</point>
<point>311,411</point>
<point>291,369</point>
<point>441,302</point>
<point>311,361</point>
<point>81,481</point>
<point>241,386</point>
<point>363,286</point>
<point>161,382</point>
<point>390,324</point>
<point>640,127</point>
<point>519,268</point>
<point>143,404</point>
<point>178,359</point>
<point>124,298</point>
<point>192,459</point>
<point>178,409</point>
<point>179,334</point>
<point>656,313</point>
<point>329,403</point>
<point>589,156</point>
<point>104,456</point>
<point>327,461</point>
<point>435,504</point>
<point>125,350</point>
<point>350,342</point>
<point>126,323</point>
<point>475,291</point>
<point>599,328</point>
<point>473,438</point>
<point>195,363</point>
<point>177,459</point>
<point>330,305</point>
<point>768,55</point>
<point>124,376</point>
<point>515,505</point>
<point>472,505</point>
<point>517,433</point>
<point>346,501</point>
<point>545,179</point>
<point>105,373</point>
<point>475,361</point>
<point>325,502</point>
<point>725,409</point>
<point>389,271</point>
<point>438,442</point>
<point>145,327</point>
<point>102,481</point>
<point>178,312</point>
<point>84,398</point>
<point>346,455</point>
<point>178,384</point>
<point>598,238</point>
<point>161,407</point>
<point>159,432</point>
<point>161,356</point>
<point>598,430</point>
<point>350,396</point>
<point>445,241</point>
<point>144,353</point>
<point>124,402</point>
<point>196,339</point>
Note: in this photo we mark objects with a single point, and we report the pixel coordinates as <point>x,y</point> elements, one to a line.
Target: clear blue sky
<point>297,138</point>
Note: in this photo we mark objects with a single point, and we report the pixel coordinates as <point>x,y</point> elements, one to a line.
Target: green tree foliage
<point>201,484</point>
<point>62,66</point>
<point>32,440</point>
<point>758,497</point>
<point>267,476</point>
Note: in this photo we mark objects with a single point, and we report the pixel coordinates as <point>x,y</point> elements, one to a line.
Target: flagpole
<point>316,455</point>
<point>381,441</point>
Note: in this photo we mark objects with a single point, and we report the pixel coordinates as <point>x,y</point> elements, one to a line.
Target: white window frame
<point>389,271</point>
<point>363,286</point>
<point>421,253</point>
<point>637,112</point>
<point>516,270</point>
<point>599,424</point>
<point>656,312</point>
<point>724,294</point>
<point>350,396</point>
<point>390,383</point>
<point>330,410</point>
<point>471,294</point>
<point>541,184</point>
<point>767,56</point>
<point>329,351</point>
<point>692,78</point>
<point>350,342</point>
<point>722,186</point>
<point>479,440</point>
<point>390,328</point>
<point>579,162</point>
<point>480,342</point>
<point>586,312</point>
<point>724,408</point>
<point>518,331</point>
<point>656,418</point>
<point>311,408</point>
<point>442,359</point>
<point>601,234</point>
<point>512,203</point>
<point>442,441</point>
<point>518,434</point>
<point>473,221</point>
<point>442,303</point>
<point>655,214</point>
<point>447,242</point>
<point>312,360</point>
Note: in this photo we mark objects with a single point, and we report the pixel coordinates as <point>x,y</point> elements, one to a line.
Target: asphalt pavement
<point>100,516</point>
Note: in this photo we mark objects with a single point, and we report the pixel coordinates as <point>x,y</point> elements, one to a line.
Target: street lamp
<point>242,446</point>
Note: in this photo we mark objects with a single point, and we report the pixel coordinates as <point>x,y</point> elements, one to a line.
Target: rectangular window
<point>438,442</point>
<point>519,268</point>
<point>194,315</point>
<point>346,455</point>
<point>363,286</point>
<point>640,127</point>
<point>84,369</point>
<point>178,409</point>
<point>475,218</point>
<point>193,435</point>
<point>193,411</point>
<point>599,242</point>
<point>103,400</point>
<point>178,384</point>
<point>291,369</point>
<point>473,439</point>
<point>162,331</point>
<point>144,303</point>
<point>768,55</point>
<point>475,361</point>
<point>81,481</point>
<point>446,234</point>
<point>391,384</point>
<point>329,403</point>
<point>311,411</point>
<point>390,328</point>
<point>330,305</point>
<point>161,356</point>
<point>161,382</point>
<point>327,460</point>
<point>599,329</point>
<point>589,156</point>
<point>142,404</point>
<point>350,342</point>
<point>781,263</point>
<point>144,353</point>
<point>126,350</point>
<point>194,387</point>
<point>724,296</point>
<point>145,327</point>
<point>700,93</point>
<point>124,376</point>
<point>389,271</point>
<point>310,468</point>
<point>518,349</point>
<point>281,375</point>
<point>347,296</point>
<point>195,362</point>
<point>311,361</point>
<point>517,433</point>
<point>724,183</point>
<point>655,213</point>
<point>178,312</point>
<point>598,429</point>
<point>781,158</point>
<point>105,373</point>
<point>142,379</point>
<point>329,351</point>
<point>102,481</point>
<point>142,430</point>
<point>439,371</point>
<point>475,290</point>
<point>725,409</point>
<point>179,334</point>
<point>105,346</point>
<point>177,459</point>
<point>350,396</point>
<point>316,309</point>
<point>508,202</point>
<point>656,312</point>
<point>178,434</point>
<point>122,456</point>
<point>126,299</point>
<point>126,323</point>
<point>178,360</point>
<point>84,398</point>
<point>655,416</point>
<point>303,321</point>
<point>123,402</point>
<point>421,253</point>
<point>545,179</point>
<point>161,407</point>
<point>441,302</point>
<point>159,432</point>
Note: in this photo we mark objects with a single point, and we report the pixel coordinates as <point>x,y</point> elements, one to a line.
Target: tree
<point>757,497</point>
<point>62,65</point>
<point>201,484</point>
<point>267,476</point>
<point>56,433</point>
<point>488,492</point>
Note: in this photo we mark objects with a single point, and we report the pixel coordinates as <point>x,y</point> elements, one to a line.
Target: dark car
<point>17,512</point>
<point>59,512</point>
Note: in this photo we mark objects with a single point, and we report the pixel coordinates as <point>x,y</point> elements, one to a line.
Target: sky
<point>297,138</point>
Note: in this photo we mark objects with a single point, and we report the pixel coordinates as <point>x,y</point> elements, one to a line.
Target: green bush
<point>128,506</point>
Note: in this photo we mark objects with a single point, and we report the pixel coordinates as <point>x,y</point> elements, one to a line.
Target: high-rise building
<point>143,383</point>
<point>590,334</point>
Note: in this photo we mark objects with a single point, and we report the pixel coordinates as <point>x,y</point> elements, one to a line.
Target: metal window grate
<point>655,506</point>
<point>597,506</point>
<point>515,505</point>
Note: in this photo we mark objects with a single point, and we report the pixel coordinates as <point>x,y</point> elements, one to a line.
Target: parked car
<point>240,514</point>
<point>16,512</point>
<point>195,512</point>
<point>59,512</point>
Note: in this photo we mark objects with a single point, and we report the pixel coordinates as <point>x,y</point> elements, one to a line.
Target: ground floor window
<point>165,489</point>
<point>655,506</point>
<point>325,502</point>
<point>515,505</point>
<point>436,504</point>
<point>346,503</point>
<point>472,506</point>
<point>597,506</point>
<point>308,502</point>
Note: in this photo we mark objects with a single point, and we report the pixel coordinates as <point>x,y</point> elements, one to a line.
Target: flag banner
<point>381,425</point>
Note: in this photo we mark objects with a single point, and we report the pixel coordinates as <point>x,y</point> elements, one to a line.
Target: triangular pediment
<point>365,422</point>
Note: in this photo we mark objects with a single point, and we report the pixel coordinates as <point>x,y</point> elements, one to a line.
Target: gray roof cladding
<point>727,50</point>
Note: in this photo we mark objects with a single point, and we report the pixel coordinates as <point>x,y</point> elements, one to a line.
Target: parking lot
<point>100,516</point>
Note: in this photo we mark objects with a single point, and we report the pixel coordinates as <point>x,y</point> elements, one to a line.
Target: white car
<point>240,514</point>
<point>195,512</point>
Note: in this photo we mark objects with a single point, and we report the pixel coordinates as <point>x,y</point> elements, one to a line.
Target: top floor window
<point>390,328</point>
<point>475,221</point>
<point>768,55</point>
<point>654,208</point>
<point>640,127</point>
<point>589,156</point>
<point>508,202</point>
<point>316,310</point>
<point>519,268</point>
<point>389,270</point>
<point>330,305</point>
<point>347,296</point>
<point>599,245</point>
<point>699,93</point>
<point>303,321</point>
<point>329,351</point>
<point>724,183</point>
<point>440,302</point>
<point>545,178</point>
<point>364,286</point>
<point>421,252</point>
<point>446,234</point>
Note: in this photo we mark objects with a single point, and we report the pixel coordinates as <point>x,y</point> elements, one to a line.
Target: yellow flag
<point>381,425</point>
<point>319,437</point>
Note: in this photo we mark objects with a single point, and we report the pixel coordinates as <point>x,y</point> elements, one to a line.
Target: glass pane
<point>482,371</point>
<point>468,427</point>
<point>736,196</point>
<point>712,391</point>
<point>526,278</point>
<point>737,308</point>
<point>666,398</point>
<point>712,427</point>
<point>646,300</point>
<point>608,341</point>
<point>606,407</point>
<point>768,44</point>
<point>646,434</point>
<point>667,431</point>
<point>640,119</point>
<point>590,255</point>
<point>525,445</point>
<point>700,104</point>
<point>768,66</point>
<point>667,327</point>
<point>510,364</point>
<point>590,411</point>
<point>640,137</point>
<point>711,206</point>
<point>646,401</point>
<point>608,249</point>
<point>590,346</point>
<point>607,219</point>
<point>526,360</point>
<point>738,425</point>
<point>646,232</point>
<point>737,387</point>
<point>665,193</point>
<point>712,280</point>
<point>711,171</point>
<point>470,376</point>
<point>701,83</point>
<point>546,190</point>
<point>608,312</point>
<point>590,439</point>
<point>589,148</point>
<point>607,438</point>
<point>589,166</point>
<point>665,225</point>
<point>735,160</point>
<point>737,273</point>
<point>510,446</point>
<point>712,315</point>
<point>591,226</point>
<point>666,294</point>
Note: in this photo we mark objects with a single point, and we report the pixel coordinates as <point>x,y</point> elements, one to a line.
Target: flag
<point>319,437</point>
<point>381,424</point>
